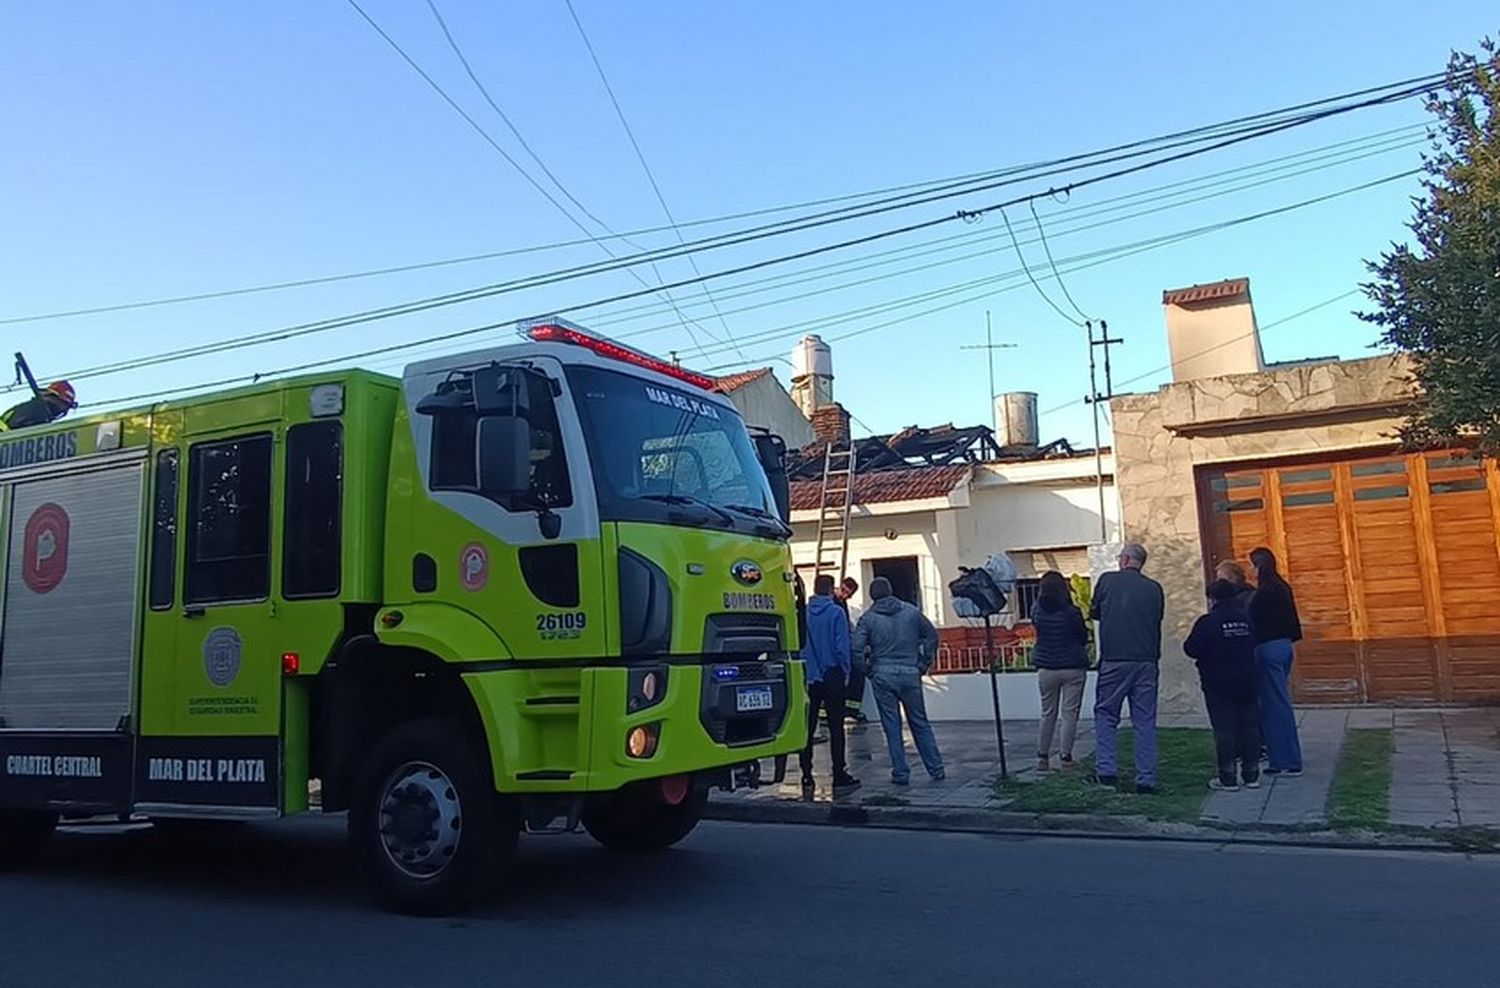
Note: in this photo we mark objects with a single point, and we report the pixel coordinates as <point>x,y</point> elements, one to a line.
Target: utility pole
<point>990,346</point>
<point>1105,341</point>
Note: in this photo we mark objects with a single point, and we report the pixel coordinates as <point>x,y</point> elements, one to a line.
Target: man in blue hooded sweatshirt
<point>825,651</point>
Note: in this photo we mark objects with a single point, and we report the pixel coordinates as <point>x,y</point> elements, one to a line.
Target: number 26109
<point>569,624</point>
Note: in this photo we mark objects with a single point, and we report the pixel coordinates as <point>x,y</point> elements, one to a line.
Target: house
<point>1394,555</point>
<point>763,403</point>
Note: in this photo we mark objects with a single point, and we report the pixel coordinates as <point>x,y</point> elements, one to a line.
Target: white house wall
<point>765,403</point>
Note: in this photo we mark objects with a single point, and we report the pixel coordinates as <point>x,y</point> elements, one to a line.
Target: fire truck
<point>528,589</point>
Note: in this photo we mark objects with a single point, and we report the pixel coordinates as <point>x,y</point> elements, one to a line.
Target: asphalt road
<point>757,905</point>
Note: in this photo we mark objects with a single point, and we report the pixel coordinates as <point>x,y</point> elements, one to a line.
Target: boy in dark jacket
<point>1223,644</point>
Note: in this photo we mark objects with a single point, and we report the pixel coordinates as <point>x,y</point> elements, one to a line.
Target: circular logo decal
<point>45,556</point>
<point>745,572</point>
<point>221,656</point>
<point>474,566</point>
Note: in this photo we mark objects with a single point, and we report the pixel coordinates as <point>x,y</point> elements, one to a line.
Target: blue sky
<point>160,149</point>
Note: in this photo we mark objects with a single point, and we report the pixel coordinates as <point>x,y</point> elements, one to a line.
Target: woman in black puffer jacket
<point>1062,663</point>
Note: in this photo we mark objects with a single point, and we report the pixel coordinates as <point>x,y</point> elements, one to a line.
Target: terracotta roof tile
<point>1216,292</point>
<point>733,382</point>
<point>885,486</point>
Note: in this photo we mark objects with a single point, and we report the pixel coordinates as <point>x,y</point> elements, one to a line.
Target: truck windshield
<point>662,455</point>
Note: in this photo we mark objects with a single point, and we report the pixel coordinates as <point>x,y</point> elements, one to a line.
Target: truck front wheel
<point>646,816</point>
<point>23,835</point>
<point>425,824</point>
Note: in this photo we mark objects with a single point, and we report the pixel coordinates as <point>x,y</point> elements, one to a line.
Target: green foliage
<point>1361,792</point>
<point>1439,301</point>
<point>1185,760</point>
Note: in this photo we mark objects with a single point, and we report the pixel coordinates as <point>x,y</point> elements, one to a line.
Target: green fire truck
<point>520,590</point>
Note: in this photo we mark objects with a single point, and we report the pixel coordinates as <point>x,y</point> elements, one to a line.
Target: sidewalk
<point>1444,775</point>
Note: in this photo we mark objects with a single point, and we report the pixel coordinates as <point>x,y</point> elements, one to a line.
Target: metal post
<point>989,651</point>
<point>1098,451</point>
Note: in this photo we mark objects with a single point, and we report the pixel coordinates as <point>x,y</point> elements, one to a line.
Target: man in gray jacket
<point>1128,606</point>
<point>897,644</point>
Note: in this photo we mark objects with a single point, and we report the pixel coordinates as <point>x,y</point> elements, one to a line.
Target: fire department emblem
<point>221,656</point>
<point>45,556</point>
<point>474,566</point>
<point>745,573</point>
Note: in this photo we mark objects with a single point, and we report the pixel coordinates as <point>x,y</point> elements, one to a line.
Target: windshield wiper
<point>762,513</point>
<point>690,499</point>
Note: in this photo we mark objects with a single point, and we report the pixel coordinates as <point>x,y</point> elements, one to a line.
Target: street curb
<point>1011,823</point>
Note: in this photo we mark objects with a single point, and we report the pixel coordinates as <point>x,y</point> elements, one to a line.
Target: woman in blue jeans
<point>1273,612</point>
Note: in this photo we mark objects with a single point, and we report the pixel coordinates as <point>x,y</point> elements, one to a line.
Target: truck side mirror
<point>441,402</point>
<point>771,451</point>
<point>501,391</point>
<point>503,446</point>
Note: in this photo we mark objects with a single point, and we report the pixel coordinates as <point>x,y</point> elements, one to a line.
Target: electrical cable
<point>910,189</point>
<point>421,305</point>
<point>458,334</point>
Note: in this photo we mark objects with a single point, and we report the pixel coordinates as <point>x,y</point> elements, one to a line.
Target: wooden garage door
<point>1395,561</point>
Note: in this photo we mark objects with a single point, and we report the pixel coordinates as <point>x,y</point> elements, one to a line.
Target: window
<point>1306,476</point>
<point>1244,504</point>
<point>455,465</point>
<point>1025,597</point>
<point>1453,486</point>
<point>163,579</point>
<point>229,504</point>
<point>1380,493</point>
<point>1306,499</point>
<point>1232,481</point>
<point>1453,460</point>
<point>1378,469</point>
<point>311,546</point>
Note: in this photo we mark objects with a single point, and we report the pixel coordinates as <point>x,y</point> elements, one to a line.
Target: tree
<point>1440,301</point>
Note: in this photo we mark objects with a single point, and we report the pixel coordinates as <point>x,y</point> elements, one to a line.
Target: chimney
<point>812,374</point>
<point>1211,330</point>
<point>830,424</point>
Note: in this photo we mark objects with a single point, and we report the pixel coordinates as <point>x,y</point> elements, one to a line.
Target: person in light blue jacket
<point>825,651</point>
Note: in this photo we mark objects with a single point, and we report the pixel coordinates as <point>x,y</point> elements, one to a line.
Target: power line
<point>1031,277</point>
<point>1232,340</point>
<point>1154,243</point>
<point>1047,249</point>
<point>892,194</point>
<point>474,124</point>
<point>426,304</point>
<point>747,289</point>
<point>641,157</point>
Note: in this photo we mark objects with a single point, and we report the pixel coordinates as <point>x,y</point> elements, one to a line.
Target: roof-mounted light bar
<point>558,331</point>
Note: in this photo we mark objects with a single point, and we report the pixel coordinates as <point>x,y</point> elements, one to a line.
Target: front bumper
<point>557,731</point>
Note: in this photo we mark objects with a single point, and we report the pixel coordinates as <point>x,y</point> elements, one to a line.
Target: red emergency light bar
<point>554,333</point>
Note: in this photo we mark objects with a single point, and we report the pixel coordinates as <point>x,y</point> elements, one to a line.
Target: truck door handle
<point>194,611</point>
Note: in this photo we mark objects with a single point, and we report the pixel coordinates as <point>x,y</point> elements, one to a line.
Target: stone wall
<point>1160,439</point>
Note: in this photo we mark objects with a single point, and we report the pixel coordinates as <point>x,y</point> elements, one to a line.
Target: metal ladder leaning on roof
<point>834,506</point>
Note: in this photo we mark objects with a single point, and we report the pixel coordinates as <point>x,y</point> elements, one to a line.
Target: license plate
<point>748,698</point>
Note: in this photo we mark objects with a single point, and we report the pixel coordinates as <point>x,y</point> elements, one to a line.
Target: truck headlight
<point>647,687</point>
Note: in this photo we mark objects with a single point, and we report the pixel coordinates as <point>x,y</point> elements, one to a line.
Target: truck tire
<point>426,827</point>
<point>637,820</point>
<point>23,835</point>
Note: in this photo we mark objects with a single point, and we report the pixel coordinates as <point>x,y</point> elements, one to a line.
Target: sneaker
<point>1067,761</point>
<point>1293,773</point>
<point>846,784</point>
<point>900,780</point>
<point>808,782</point>
<point>1219,785</point>
<point>1042,764</point>
<point>939,775</point>
<point>1253,783</point>
<point>1141,790</point>
<point>1107,781</point>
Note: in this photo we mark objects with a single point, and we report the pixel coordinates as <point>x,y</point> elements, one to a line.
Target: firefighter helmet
<point>63,390</point>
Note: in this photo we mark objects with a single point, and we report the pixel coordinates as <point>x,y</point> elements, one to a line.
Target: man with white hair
<point>1128,606</point>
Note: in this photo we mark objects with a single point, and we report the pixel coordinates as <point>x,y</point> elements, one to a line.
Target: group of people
<point>892,644</point>
<point>1242,647</point>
